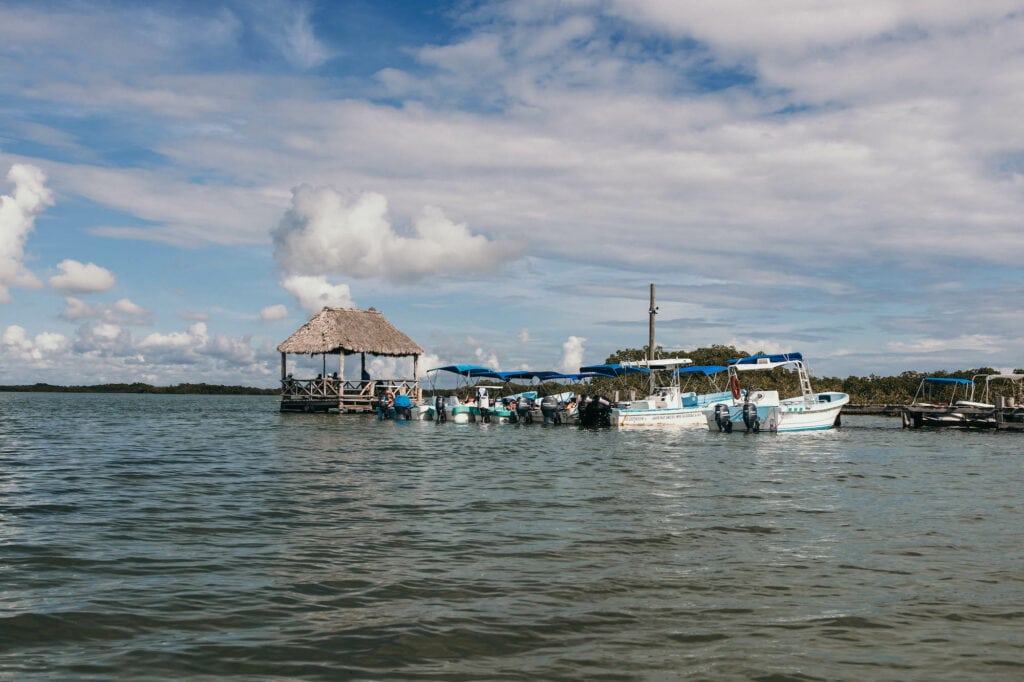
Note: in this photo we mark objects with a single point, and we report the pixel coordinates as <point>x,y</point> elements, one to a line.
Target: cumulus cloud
<point>40,348</point>
<point>274,312</point>
<point>487,358</point>
<point>18,212</point>
<point>572,355</point>
<point>126,306</point>
<point>313,293</point>
<point>122,311</point>
<point>82,278</point>
<point>324,233</point>
<point>196,345</point>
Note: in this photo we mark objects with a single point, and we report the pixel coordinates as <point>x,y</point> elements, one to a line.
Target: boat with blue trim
<point>763,410</point>
<point>668,404</point>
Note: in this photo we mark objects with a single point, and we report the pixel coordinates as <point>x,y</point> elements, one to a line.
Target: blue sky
<point>185,183</point>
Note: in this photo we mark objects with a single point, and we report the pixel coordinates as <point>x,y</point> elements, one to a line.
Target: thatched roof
<point>347,330</point>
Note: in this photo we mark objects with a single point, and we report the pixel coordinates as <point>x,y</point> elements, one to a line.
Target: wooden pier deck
<point>326,394</point>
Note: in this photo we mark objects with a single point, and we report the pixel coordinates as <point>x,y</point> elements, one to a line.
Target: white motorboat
<point>947,402</point>
<point>667,405</point>
<point>763,410</point>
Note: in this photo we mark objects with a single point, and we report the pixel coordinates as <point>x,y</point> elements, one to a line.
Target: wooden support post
<point>284,368</point>
<point>416,377</point>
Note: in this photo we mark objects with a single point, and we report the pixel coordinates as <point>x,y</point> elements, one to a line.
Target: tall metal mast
<point>653,311</point>
<point>650,343</point>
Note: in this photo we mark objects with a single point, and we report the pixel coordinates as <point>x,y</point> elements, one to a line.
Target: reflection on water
<point>171,536</point>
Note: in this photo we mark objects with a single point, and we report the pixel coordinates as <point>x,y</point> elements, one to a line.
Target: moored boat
<point>763,410</point>
<point>668,404</point>
<point>947,402</point>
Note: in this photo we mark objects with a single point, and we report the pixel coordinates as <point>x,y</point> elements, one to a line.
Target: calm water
<point>162,537</point>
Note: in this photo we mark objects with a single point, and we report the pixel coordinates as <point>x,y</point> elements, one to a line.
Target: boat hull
<point>464,414</point>
<point>423,413</point>
<point>786,416</point>
<point>960,416</point>
<point>688,417</point>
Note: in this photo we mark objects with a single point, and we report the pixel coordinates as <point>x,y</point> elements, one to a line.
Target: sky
<point>183,184</point>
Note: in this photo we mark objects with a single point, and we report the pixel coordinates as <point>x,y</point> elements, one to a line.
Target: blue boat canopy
<point>705,369</point>
<point>764,359</point>
<point>613,370</point>
<point>464,370</point>
<point>947,380</point>
<point>543,374</point>
<point>574,377</point>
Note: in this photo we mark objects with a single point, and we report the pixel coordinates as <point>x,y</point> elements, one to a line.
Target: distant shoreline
<point>887,410</point>
<point>179,389</point>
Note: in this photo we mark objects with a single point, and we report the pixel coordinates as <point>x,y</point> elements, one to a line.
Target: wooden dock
<point>326,394</point>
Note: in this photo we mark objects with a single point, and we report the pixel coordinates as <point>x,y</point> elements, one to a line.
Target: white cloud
<point>487,358</point>
<point>17,219</point>
<point>196,346</point>
<point>40,349</point>
<point>123,311</point>
<point>287,26</point>
<point>313,293</point>
<point>128,307</point>
<point>323,233</point>
<point>195,336</point>
<point>803,25</point>
<point>274,312</point>
<point>975,343</point>
<point>572,355</point>
<point>80,278</point>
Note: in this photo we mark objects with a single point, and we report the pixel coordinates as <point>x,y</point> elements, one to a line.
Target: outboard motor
<point>595,413</point>
<point>440,412</point>
<point>750,417</point>
<point>723,418</point>
<point>524,409</point>
<point>403,407</point>
<point>383,408</point>
<point>549,409</point>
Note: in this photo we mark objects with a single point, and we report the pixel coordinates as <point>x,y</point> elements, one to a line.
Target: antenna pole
<point>653,311</point>
<point>650,343</point>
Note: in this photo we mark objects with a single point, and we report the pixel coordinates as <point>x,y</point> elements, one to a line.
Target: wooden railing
<point>325,393</point>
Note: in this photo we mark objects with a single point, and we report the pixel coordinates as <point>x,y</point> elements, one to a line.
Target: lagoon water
<point>201,537</point>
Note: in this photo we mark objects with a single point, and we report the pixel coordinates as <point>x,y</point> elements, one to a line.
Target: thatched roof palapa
<point>348,331</point>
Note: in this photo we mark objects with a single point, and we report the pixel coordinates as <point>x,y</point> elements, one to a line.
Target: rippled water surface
<point>162,537</point>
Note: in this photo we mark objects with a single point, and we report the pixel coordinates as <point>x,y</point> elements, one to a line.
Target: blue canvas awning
<point>464,370</point>
<point>765,359</point>
<point>705,369</point>
<point>614,370</point>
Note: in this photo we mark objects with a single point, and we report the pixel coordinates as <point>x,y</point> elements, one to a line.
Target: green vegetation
<point>180,389</point>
